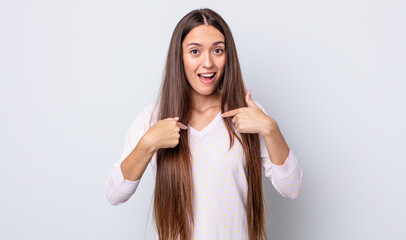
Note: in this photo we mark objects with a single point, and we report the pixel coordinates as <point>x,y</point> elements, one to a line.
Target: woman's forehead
<point>203,35</point>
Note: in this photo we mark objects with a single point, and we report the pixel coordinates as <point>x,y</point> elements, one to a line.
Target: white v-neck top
<point>220,183</point>
<point>203,131</point>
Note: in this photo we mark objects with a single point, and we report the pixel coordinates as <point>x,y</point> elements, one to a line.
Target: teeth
<point>207,75</point>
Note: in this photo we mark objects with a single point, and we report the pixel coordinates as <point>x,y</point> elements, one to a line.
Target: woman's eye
<point>194,51</point>
<point>219,50</point>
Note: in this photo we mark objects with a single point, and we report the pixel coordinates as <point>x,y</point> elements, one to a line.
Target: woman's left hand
<point>251,119</point>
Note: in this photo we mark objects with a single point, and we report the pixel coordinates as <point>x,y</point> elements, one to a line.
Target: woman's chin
<point>205,91</point>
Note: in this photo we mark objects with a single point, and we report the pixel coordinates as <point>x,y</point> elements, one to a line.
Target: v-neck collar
<point>206,129</point>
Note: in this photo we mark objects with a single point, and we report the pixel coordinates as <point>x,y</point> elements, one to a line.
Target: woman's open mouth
<point>206,78</point>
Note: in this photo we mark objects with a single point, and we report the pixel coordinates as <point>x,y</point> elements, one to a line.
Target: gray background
<point>74,74</point>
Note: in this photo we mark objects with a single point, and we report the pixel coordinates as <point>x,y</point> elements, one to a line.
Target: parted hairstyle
<point>174,193</point>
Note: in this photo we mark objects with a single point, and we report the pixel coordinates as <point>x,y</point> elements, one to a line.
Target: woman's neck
<point>202,103</point>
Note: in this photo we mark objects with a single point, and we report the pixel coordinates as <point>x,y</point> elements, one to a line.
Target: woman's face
<point>204,57</point>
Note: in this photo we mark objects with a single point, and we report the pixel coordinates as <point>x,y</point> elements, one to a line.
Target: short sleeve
<point>286,178</point>
<point>119,190</point>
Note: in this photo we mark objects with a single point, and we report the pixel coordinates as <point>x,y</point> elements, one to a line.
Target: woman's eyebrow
<point>198,44</point>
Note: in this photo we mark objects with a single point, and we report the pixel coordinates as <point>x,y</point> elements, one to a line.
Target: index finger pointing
<point>230,113</point>
<point>181,125</point>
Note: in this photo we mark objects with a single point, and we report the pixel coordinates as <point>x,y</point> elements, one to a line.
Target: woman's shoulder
<point>150,109</point>
<point>260,106</point>
<point>150,113</point>
<point>146,117</point>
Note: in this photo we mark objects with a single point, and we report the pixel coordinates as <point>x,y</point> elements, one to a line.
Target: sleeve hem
<point>283,171</point>
<point>122,184</point>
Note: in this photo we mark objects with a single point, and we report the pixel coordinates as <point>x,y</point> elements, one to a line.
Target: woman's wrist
<point>147,145</point>
<point>269,129</point>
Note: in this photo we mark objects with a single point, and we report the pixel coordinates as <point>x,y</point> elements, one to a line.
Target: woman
<point>207,186</point>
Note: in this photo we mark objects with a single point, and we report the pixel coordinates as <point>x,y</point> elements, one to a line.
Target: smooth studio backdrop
<point>74,75</point>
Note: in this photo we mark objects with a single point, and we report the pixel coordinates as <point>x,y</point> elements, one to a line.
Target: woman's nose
<point>207,62</point>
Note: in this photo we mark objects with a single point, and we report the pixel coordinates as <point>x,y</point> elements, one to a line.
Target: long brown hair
<point>174,194</point>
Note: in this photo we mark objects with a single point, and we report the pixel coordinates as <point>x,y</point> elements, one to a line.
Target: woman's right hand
<point>164,133</point>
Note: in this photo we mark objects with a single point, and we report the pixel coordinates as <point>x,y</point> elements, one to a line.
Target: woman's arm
<point>124,177</point>
<point>280,163</point>
<point>134,165</point>
<point>275,143</point>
